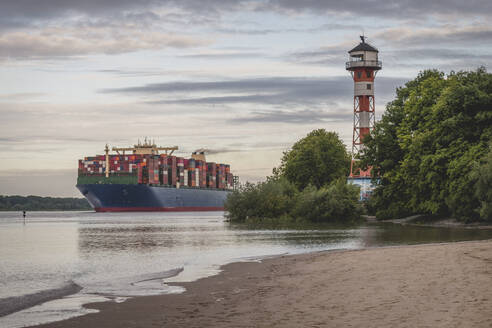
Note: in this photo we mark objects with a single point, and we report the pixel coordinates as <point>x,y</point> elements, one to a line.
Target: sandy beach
<point>440,285</point>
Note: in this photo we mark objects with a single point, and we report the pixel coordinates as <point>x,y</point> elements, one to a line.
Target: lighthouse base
<point>365,184</point>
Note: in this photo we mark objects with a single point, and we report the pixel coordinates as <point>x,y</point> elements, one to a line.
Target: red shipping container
<point>140,174</point>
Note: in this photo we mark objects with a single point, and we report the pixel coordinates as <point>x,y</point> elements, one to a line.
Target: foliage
<point>335,202</point>
<point>279,201</point>
<point>483,189</point>
<point>427,143</point>
<point>317,159</point>
<point>270,199</point>
<point>309,187</point>
<point>36,203</point>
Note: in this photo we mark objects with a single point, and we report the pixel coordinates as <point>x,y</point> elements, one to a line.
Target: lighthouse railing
<point>363,63</point>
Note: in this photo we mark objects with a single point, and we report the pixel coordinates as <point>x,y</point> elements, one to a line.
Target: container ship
<point>149,178</point>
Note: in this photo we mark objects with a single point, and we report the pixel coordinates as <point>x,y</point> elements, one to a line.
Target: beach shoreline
<point>415,220</point>
<point>431,285</point>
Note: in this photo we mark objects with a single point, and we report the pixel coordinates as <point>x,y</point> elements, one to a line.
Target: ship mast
<point>106,150</point>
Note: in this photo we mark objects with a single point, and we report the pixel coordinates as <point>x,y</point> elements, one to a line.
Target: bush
<point>278,201</point>
<point>338,201</point>
<point>270,199</point>
<point>310,185</point>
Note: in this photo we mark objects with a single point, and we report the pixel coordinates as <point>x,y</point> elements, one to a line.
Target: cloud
<point>381,8</point>
<point>225,55</point>
<point>53,28</point>
<point>269,91</point>
<point>22,96</point>
<point>400,8</point>
<point>320,28</point>
<point>66,42</point>
<point>305,116</point>
<point>55,8</point>
<point>328,55</point>
<point>24,12</point>
<point>274,90</point>
<point>448,34</point>
<point>248,99</point>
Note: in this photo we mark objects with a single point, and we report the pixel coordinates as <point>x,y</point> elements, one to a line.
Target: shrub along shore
<point>309,186</point>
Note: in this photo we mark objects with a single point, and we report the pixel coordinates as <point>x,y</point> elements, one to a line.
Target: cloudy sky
<point>244,79</point>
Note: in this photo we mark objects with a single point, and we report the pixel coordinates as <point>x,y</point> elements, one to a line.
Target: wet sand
<point>441,285</point>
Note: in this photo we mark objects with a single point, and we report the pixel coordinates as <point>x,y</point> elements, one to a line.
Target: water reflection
<point>383,234</point>
<point>197,234</point>
<point>115,238</point>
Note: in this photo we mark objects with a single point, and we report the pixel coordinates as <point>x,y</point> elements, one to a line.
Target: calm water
<point>118,255</point>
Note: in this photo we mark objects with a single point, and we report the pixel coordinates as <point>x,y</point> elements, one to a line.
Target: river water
<point>66,259</point>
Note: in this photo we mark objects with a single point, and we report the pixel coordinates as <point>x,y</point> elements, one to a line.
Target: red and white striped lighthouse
<point>363,65</point>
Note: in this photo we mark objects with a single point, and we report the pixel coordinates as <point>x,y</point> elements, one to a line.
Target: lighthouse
<point>363,65</point>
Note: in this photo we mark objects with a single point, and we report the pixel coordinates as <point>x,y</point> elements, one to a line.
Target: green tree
<point>483,187</point>
<point>427,143</point>
<point>317,159</point>
<point>309,186</point>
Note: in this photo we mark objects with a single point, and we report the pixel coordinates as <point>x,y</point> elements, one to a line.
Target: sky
<point>243,79</point>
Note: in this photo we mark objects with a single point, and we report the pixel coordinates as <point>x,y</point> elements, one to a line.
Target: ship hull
<point>144,198</point>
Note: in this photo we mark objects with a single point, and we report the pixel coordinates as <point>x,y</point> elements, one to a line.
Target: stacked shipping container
<point>161,170</point>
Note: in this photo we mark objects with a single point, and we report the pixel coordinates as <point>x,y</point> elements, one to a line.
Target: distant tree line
<point>309,186</point>
<point>36,203</point>
<point>431,150</point>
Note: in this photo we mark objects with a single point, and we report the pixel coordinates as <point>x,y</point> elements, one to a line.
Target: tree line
<point>36,203</point>
<point>431,151</point>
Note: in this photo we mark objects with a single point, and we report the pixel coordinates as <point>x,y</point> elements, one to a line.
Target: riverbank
<point>421,220</point>
<point>439,285</point>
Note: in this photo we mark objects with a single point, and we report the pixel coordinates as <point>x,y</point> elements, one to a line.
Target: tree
<point>309,186</point>
<point>483,187</point>
<point>317,159</point>
<point>425,147</point>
